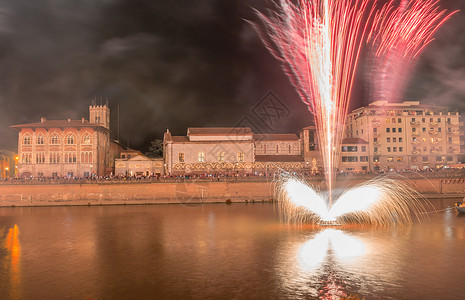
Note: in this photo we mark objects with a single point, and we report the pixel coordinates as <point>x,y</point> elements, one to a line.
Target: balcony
<point>433,132</point>
<point>376,122</point>
<point>433,123</point>
<point>376,133</point>
<point>415,132</point>
<point>377,144</point>
<point>434,142</point>
<point>377,152</point>
<point>453,150</point>
<point>434,151</point>
<point>416,123</point>
<point>416,152</point>
<point>416,142</point>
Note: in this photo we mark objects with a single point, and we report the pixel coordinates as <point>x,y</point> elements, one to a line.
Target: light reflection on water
<point>222,252</point>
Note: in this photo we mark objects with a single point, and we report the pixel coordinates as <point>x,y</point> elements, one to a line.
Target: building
<point>134,164</point>
<point>8,160</point>
<point>407,135</point>
<point>73,148</point>
<point>228,150</point>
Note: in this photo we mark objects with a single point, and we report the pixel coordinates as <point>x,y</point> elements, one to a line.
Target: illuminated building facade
<point>407,135</point>
<point>72,148</point>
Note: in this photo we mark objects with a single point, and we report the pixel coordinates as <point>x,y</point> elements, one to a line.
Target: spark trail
<point>398,36</point>
<point>318,43</point>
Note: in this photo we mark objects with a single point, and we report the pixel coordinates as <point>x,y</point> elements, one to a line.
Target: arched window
<point>289,148</point>
<point>86,139</point>
<point>70,139</point>
<point>40,139</point>
<point>54,139</point>
<point>277,148</point>
<point>27,140</point>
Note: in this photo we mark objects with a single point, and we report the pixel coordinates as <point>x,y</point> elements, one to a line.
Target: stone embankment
<point>188,192</point>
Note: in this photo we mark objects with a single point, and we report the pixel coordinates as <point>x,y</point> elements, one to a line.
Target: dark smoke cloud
<point>168,64</point>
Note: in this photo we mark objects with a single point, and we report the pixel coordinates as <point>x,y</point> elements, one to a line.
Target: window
<point>26,158</point>
<point>220,156</point>
<point>394,129</point>
<point>376,149</point>
<point>423,120</point>
<point>55,140</point>
<point>388,120</point>
<point>277,148</point>
<point>423,129</point>
<point>394,149</point>
<point>400,158</point>
<point>86,139</point>
<point>181,157</point>
<point>388,149</point>
<point>345,149</point>
<point>70,139</point>
<point>388,139</point>
<point>240,156</point>
<point>424,158</point>
<point>289,148</point>
<point>414,129</point>
<point>54,158</point>
<point>449,158</point>
<point>399,129</point>
<point>40,139</point>
<point>400,140</point>
<point>431,119</point>
<point>375,130</point>
<point>401,149</point>
<point>388,129</point>
<point>27,140</point>
<point>375,158</point>
<point>439,129</point>
<point>375,140</point>
<point>414,159</point>
<point>439,120</point>
<point>399,120</point>
<point>40,158</point>
<point>363,158</point>
<point>393,120</point>
<point>86,157</point>
<point>201,156</point>
<point>364,148</point>
<point>438,158</point>
<point>413,119</point>
<point>389,159</point>
<point>394,139</point>
<point>425,149</point>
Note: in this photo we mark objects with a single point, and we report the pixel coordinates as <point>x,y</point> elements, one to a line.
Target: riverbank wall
<point>187,192</point>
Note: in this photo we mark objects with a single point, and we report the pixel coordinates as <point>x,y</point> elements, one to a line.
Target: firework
<point>380,201</point>
<point>398,36</point>
<point>318,43</point>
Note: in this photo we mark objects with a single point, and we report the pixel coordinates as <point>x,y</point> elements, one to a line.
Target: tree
<point>155,149</point>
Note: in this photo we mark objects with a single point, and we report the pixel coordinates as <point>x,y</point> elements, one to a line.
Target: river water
<point>237,251</point>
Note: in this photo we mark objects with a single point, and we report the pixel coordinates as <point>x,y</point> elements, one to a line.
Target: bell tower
<point>100,114</point>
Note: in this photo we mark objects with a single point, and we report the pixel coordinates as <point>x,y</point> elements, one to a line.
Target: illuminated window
<point>201,156</point>
<point>86,139</point>
<point>181,157</point>
<point>240,156</point>
<point>220,156</point>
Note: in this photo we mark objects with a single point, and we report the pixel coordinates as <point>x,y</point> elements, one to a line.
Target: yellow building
<point>407,135</point>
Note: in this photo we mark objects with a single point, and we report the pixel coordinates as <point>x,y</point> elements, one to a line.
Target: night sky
<point>173,64</point>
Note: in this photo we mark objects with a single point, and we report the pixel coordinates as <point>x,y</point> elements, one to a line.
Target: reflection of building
<point>7,164</point>
<point>134,163</point>
<point>407,135</point>
<point>55,148</point>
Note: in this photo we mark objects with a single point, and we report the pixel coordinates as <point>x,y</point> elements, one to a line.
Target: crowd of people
<point>256,176</point>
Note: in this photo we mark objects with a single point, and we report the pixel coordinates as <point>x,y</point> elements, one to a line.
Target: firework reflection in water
<point>381,201</point>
